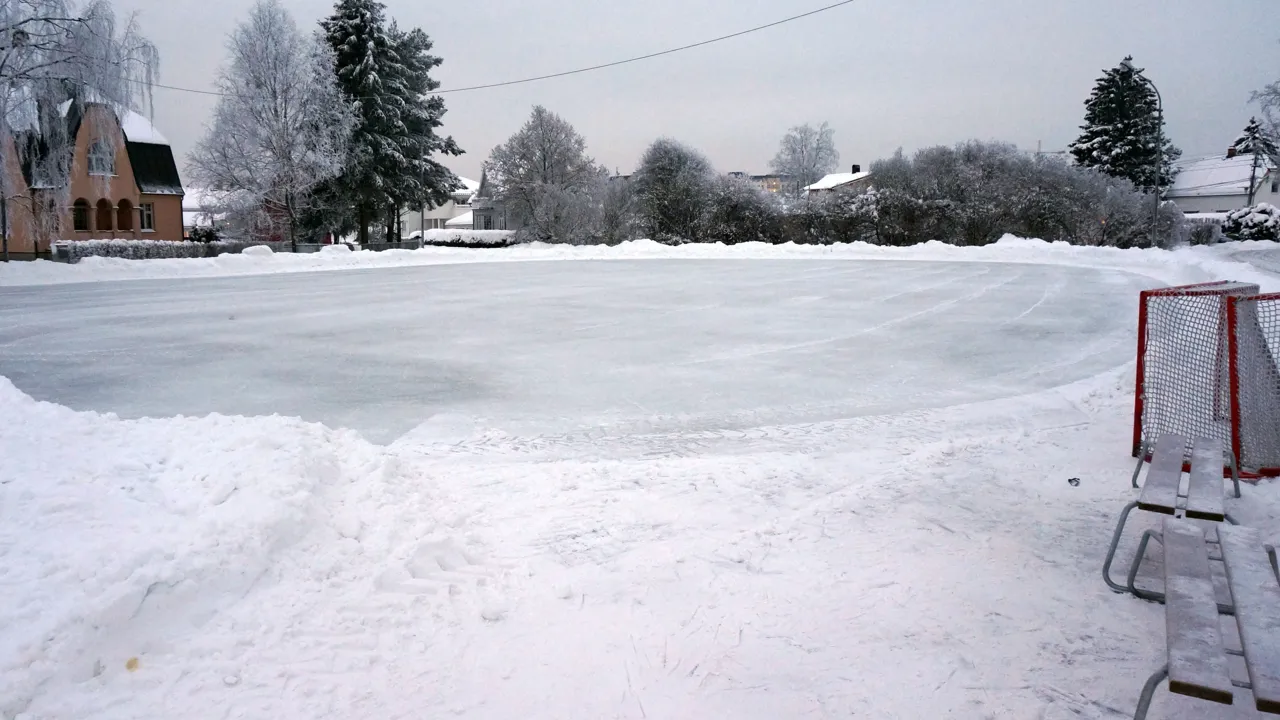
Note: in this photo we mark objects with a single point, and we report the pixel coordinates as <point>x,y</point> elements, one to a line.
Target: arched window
<point>105,213</point>
<point>80,215</point>
<point>124,216</point>
<point>102,158</point>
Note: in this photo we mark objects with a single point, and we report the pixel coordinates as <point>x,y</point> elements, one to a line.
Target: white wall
<point>1225,203</point>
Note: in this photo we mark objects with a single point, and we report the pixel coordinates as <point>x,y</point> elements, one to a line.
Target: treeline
<point>970,194</point>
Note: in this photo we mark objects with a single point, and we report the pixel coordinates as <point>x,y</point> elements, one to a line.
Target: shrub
<point>74,250</point>
<point>1260,222</point>
<point>740,212</point>
<point>470,238</point>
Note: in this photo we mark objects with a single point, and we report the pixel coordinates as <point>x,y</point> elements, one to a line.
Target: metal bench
<point>1162,493</point>
<point>1197,657</point>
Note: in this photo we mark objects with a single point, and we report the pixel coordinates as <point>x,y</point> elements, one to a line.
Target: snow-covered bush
<point>469,238</point>
<point>1260,222</point>
<point>1204,231</point>
<point>739,212</point>
<point>74,250</point>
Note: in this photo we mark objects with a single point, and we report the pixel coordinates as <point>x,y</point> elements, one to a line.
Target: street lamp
<point>1127,64</point>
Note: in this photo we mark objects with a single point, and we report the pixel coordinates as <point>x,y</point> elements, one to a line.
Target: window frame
<point>101,151</point>
<point>146,217</point>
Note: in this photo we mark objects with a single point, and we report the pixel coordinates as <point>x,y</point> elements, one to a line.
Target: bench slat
<point>1160,493</point>
<point>1256,596</point>
<point>1204,491</point>
<point>1197,663</point>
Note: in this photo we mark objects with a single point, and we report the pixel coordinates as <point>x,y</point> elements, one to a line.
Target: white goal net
<point>1207,368</point>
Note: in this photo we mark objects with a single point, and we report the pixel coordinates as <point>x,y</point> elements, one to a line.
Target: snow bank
<point>116,536</point>
<point>1191,264</point>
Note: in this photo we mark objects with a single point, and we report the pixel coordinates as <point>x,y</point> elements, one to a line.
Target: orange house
<point>122,183</point>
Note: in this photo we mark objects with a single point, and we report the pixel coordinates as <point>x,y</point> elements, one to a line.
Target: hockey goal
<point>1206,367</point>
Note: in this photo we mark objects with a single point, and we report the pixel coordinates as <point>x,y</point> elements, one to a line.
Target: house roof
<point>1216,176</point>
<point>154,168</point>
<point>140,130</point>
<point>835,180</point>
<point>465,220</point>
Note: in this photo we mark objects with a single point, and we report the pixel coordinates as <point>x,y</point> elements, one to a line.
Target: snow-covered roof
<point>139,129</point>
<point>1216,176</point>
<point>465,220</point>
<point>469,184</point>
<point>835,180</point>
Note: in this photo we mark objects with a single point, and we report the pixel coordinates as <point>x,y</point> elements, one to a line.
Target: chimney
<point>857,169</point>
<point>1231,152</point>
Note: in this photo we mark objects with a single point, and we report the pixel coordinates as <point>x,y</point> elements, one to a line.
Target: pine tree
<point>1123,129</point>
<point>1257,142</point>
<point>384,74</point>
<point>418,180</point>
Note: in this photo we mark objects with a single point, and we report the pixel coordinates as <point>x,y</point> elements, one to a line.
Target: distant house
<point>1221,184</point>
<point>122,183</point>
<point>769,183</point>
<point>201,208</point>
<point>415,222</point>
<point>856,181</point>
<point>489,212</point>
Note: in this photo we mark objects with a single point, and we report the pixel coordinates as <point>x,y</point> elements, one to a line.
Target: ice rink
<point>543,347</point>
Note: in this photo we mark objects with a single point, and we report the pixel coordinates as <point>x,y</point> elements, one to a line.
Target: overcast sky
<point>884,73</point>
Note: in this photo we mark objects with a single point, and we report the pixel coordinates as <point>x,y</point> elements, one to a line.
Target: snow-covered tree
<point>739,211</point>
<point>1257,142</point>
<point>546,178</point>
<point>1258,222</point>
<point>385,73</point>
<point>281,126</point>
<point>673,187</point>
<point>52,52</point>
<point>1123,134</point>
<point>1269,98</point>
<point>806,155</point>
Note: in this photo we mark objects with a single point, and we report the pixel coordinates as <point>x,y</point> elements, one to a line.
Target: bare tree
<point>807,153</point>
<point>54,53</point>
<point>544,175</point>
<point>281,126</point>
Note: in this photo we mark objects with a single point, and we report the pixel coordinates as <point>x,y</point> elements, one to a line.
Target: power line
<point>579,71</point>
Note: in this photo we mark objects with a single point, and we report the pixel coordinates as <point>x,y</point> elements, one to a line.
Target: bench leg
<point>1148,690</point>
<point>1137,560</point>
<point>1235,472</point>
<point>1230,519</point>
<point>1142,456</point>
<point>1111,552</point>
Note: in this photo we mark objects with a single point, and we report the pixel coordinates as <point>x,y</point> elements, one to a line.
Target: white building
<point>856,181</point>
<point>415,222</point>
<point>1221,184</point>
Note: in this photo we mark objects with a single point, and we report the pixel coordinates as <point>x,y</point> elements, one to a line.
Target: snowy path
<point>767,559</point>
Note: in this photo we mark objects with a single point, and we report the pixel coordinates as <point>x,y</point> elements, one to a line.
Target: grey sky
<point>884,73</point>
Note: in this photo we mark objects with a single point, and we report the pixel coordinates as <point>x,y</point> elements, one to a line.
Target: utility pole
<point>1253,174</point>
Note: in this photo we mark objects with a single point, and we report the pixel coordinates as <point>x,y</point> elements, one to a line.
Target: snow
<point>861,509</point>
<point>1215,176</point>
<point>139,129</point>
<point>835,180</point>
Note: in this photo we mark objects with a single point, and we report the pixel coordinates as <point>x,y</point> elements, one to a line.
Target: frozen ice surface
<point>648,345</point>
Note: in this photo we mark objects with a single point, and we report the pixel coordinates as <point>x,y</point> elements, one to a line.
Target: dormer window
<point>102,158</point>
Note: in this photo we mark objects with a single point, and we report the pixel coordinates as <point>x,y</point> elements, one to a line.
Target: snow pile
<point>1260,222</point>
<point>469,238</point>
<point>129,249</point>
<point>1191,264</point>
<point>118,537</point>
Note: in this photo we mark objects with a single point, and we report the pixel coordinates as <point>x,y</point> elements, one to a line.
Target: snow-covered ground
<point>825,487</point>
